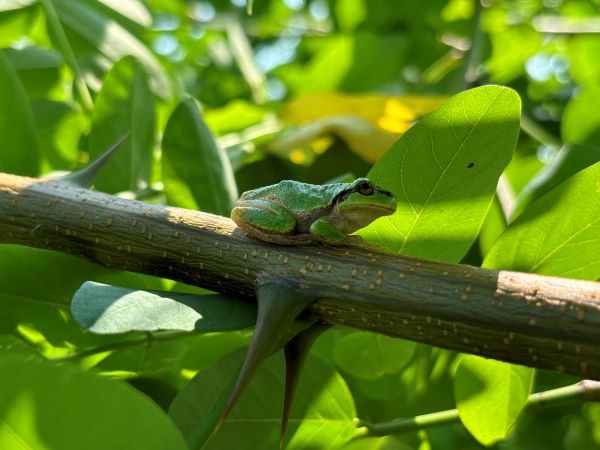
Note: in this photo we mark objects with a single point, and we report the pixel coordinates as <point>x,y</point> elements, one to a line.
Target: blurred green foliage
<point>207,93</point>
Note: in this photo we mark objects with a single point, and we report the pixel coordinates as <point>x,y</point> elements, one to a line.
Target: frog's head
<point>361,203</point>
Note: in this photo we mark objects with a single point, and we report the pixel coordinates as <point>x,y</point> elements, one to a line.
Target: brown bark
<point>539,321</point>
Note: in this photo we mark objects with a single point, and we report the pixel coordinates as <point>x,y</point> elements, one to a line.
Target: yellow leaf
<point>368,123</point>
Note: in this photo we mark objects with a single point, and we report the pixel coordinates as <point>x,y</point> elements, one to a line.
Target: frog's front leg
<point>326,232</point>
<point>263,220</point>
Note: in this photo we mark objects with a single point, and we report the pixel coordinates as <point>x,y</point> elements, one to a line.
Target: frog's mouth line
<point>377,207</point>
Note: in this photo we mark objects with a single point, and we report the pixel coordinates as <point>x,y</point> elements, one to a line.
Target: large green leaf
<point>369,356</point>
<point>38,69</point>
<point>60,126</point>
<point>559,234</point>
<point>50,407</point>
<point>581,121</point>
<point>124,104</point>
<point>570,159</point>
<point>585,70</point>
<point>106,309</point>
<point>444,172</point>
<point>16,20</point>
<point>511,48</point>
<point>196,172</point>
<point>322,415</point>
<point>42,305</point>
<point>97,40</point>
<point>490,395</point>
<point>20,153</point>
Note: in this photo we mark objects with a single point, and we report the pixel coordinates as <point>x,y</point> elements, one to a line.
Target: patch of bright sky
<point>543,66</point>
<point>280,52</point>
<point>319,10</point>
<point>165,44</point>
<point>178,54</point>
<point>197,31</point>
<point>275,89</point>
<point>166,22</point>
<point>203,11</point>
<point>239,3</point>
<point>294,4</point>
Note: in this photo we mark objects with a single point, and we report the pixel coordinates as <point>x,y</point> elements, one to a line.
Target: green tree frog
<point>294,213</point>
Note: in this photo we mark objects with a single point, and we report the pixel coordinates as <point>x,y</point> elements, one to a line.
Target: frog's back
<point>295,196</point>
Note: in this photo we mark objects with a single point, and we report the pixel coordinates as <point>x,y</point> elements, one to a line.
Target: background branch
<point>544,322</point>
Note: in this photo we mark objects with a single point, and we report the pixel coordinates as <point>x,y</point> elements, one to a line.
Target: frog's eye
<point>365,188</point>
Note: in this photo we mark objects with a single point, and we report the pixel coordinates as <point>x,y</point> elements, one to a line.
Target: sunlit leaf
<point>88,28</point>
<point>559,234</point>
<point>581,123</point>
<point>42,402</point>
<point>585,70</point>
<point>322,415</point>
<point>235,116</point>
<point>16,20</point>
<point>106,309</point>
<point>511,48</point>
<point>59,125</point>
<point>124,105</point>
<point>444,172</point>
<point>20,152</point>
<point>369,356</point>
<point>490,395</point>
<point>196,172</point>
<point>368,124</point>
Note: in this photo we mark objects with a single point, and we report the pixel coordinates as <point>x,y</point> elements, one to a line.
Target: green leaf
<point>105,309</point>
<point>511,48</point>
<point>490,395</point>
<point>585,70</point>
<point>493,226</point>
<point>570,159</point>
<point>379,443</point>
<point>124,104</point>
<point>196,172</point>
<point>10,5</point>
<point>20,152</point>
<point>444,172</point>
<point>18,348</point>
<point>237,115</point>
<point>369,356</point>
<point>39,70</point>
<point>96,38</point>
<point>50,407</point>
<point>60,126</point>
<point>581,121</point>
<point>322,415</point>
<point>17,19</point>
<point>559,234</point>
<point>43,305</point>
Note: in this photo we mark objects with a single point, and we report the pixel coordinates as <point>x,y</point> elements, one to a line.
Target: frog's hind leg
<point>263,219</point>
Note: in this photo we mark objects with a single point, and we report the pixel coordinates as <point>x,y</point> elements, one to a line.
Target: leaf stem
<point>586,390</point>
<point>537,132</point>
<point>146,339</point>
<point>470,76</point>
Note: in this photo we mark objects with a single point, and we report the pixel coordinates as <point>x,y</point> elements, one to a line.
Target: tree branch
<point>545,322</point>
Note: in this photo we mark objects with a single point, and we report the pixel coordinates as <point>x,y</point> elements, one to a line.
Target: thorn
<point>296,351</point>
<point>278,308</point>
<point>86,176</point>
